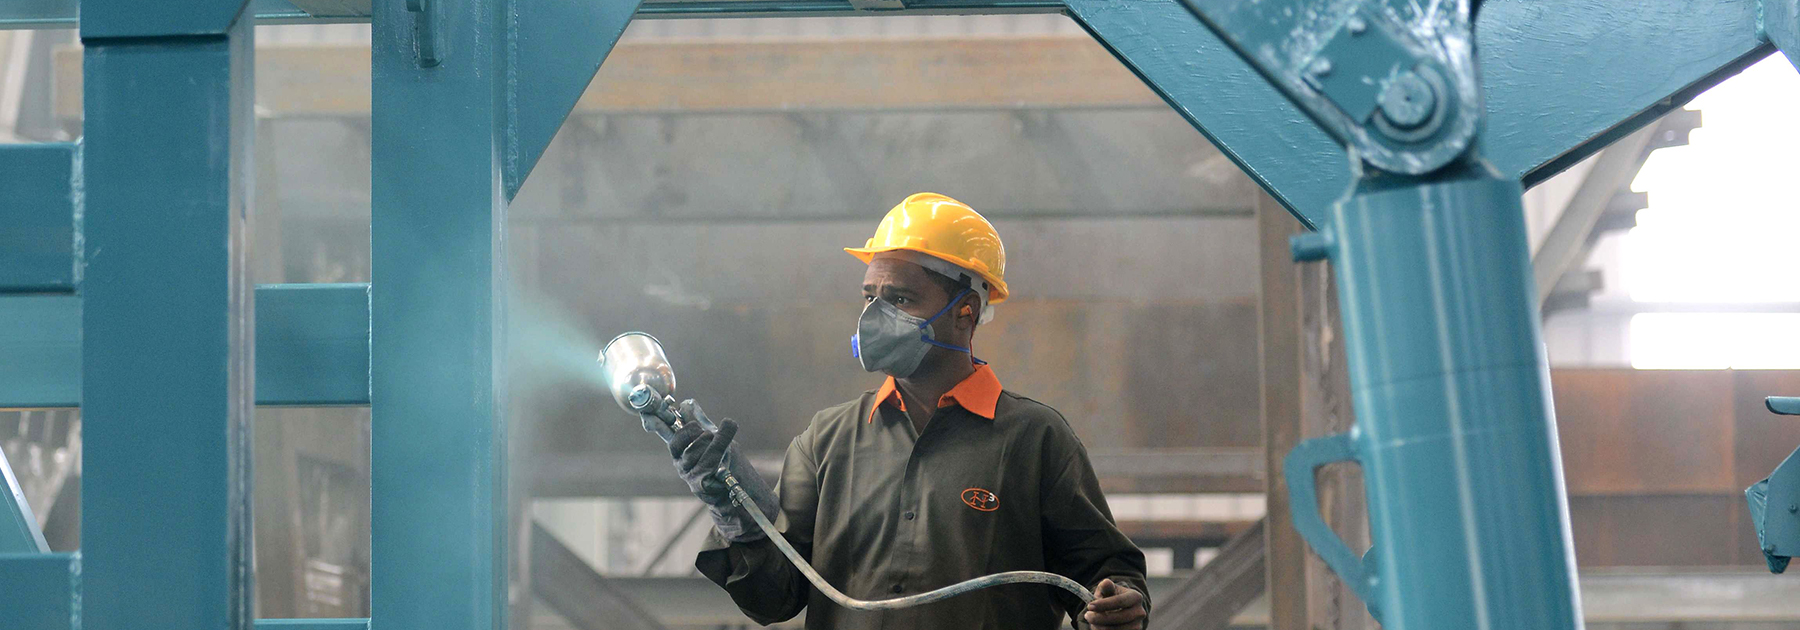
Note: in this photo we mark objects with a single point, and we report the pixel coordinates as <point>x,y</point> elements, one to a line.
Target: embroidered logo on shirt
<point>981,499</point>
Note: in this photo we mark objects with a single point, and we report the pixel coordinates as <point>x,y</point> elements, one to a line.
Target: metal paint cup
<point>634,362</point>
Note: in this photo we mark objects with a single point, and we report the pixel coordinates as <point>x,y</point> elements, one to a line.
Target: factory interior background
<point>704,187</point>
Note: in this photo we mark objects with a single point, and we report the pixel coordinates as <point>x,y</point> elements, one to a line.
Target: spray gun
<point>641,380</point>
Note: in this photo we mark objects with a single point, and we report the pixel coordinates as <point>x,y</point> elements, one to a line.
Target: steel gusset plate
<point>1393,80</point>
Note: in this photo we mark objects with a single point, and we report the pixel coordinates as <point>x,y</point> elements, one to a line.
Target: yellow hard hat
<point>938,226</point>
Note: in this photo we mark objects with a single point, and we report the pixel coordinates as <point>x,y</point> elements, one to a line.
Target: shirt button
<point>899,588</point>
<point>908,516</point>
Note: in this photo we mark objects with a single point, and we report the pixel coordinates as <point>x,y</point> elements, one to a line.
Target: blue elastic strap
<point>927,339</point>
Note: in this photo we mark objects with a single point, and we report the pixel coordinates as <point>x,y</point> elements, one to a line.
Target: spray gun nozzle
<point>641,398</point>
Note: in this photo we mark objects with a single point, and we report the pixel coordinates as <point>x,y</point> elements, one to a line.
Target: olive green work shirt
<point>996,482</point>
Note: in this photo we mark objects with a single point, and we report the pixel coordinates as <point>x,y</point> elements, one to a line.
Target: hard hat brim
<point>997,287</point>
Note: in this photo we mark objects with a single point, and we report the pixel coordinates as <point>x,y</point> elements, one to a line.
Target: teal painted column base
<point>1455,431</point>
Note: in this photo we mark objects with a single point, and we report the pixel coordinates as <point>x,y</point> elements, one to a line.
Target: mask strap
<point>927,339</point>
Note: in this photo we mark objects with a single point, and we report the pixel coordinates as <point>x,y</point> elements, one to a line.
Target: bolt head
<point>1793,507</point>
<point>1408,100</point>
<point>1357,25</point>
<point>1320,67</point>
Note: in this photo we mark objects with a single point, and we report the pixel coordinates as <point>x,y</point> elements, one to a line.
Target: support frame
<point>464,103</point>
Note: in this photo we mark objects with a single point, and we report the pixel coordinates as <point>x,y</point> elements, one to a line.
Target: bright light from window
<point>1724,213</point>
<point>1722,228</point>
<point>1715,341</point>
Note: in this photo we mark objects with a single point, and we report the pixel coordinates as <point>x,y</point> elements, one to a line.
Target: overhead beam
<point>1567,241</point>
<point>312,347</point>
<point>743,77</point>
<point>1549,104</point>
<point>576,591</point>
<point>29,14</point>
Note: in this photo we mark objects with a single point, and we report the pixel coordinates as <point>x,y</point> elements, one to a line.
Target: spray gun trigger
<point>657,426</point>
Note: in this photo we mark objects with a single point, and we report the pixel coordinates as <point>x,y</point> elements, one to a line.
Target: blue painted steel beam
<point>136,18</point>
<point>40,351</point>
<point>312,624</point>
<point>312,347</point>
<point>37,218</point>
<point>62,13</point>
<point>41,591</point>
<point>1251,122</point>
<point>19,531</point>
<point>1779,23</point>
<point>167,318</point>
<point>312,344</point>
<point>560,45</point>
<point>1561,80</point>
<point>437,230</point>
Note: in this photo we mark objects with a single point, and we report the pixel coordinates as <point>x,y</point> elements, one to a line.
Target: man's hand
<point>1115,607</point>
<point>698,453</point>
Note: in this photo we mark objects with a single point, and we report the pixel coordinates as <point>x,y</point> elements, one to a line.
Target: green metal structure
<point>124,255</point>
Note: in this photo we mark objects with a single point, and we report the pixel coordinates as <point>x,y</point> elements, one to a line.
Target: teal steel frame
<point>124,255</point>
<point>166,315</point>
<point>1775,501</point>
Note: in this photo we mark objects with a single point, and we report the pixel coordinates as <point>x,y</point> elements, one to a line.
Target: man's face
<point>904,285</point>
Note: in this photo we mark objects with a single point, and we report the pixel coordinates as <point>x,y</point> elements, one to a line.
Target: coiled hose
<point>742,499</point>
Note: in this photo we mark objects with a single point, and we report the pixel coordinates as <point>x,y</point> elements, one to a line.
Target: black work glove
<point>699,453</point>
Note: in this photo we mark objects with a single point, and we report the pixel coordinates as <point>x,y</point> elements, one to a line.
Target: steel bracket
<point>425,27</point>
<point>1775,501</point>
<point>1392,81</point>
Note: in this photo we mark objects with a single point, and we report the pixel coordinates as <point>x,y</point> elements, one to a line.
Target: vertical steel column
<point>167,315</point>
<point>1454,426</point>
<point>436,310</point>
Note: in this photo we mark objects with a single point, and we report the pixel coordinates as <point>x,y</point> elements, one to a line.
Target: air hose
<point>743,501</point>
<point>639,376</point>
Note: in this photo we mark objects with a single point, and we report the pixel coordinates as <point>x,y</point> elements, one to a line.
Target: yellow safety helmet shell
<point>936,225</point>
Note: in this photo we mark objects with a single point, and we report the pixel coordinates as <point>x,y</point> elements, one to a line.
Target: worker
<point>937,476</point>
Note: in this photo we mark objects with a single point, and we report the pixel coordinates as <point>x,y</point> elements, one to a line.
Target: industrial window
<point>1712,261</point>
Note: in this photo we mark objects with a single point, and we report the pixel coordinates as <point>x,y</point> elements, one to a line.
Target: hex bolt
<point>1408,100</point>
<point>1793,508</point>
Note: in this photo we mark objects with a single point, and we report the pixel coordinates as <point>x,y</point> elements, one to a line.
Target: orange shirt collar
<point>979,394</point>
